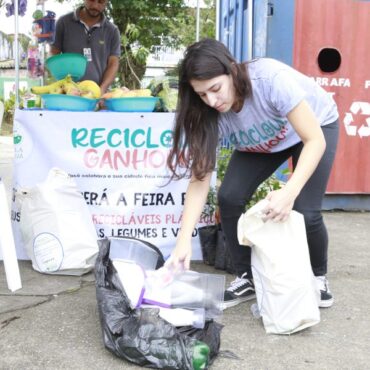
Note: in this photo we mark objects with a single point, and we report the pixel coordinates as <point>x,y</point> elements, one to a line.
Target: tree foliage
<point>145,23</point>
<point>187,29</point>
<point>133,58</point>
<point>142,24</point>
<point>152,18</point>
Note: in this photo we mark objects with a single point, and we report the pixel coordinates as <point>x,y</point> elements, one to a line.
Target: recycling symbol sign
<point>357,120</point>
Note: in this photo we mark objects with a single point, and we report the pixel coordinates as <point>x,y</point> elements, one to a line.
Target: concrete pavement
<point>52,322</point>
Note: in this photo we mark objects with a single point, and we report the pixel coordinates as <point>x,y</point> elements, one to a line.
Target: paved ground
<point>52,322</point>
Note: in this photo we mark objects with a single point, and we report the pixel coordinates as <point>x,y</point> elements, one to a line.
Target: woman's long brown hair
<point>196,124</point>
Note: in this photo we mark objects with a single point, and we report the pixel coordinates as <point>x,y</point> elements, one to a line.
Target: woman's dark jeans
<point>246,171</point>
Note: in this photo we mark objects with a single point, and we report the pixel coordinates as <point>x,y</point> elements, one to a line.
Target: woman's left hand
<point>280,204</point>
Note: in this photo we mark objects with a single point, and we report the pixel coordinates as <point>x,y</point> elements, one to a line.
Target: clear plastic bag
<point>140,335</point>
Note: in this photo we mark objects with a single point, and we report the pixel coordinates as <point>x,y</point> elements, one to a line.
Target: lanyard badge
<point>87,54</point>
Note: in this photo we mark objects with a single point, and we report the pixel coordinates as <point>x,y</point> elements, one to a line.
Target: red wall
<point>345,26</point>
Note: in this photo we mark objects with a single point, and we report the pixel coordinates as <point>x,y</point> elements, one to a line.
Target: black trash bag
<point>141,336</point>
<point>210,335</point>
<point>223,259</point>
<point>208,243</point>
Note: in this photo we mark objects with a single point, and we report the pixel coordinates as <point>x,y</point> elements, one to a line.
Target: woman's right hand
<point>180,257</point>
<point>196,196</point>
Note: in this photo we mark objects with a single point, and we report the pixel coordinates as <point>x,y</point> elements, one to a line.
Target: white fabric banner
<point>118,161</point>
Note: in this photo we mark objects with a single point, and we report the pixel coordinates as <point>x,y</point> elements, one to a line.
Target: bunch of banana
<point>124,92</point>
<point>87,88</point>
<point>137,93</point>
<point>115,93</point>
<point>54,88</point>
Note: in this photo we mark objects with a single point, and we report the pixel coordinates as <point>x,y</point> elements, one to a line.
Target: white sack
<point>286,292</point>
<point>56,226</point>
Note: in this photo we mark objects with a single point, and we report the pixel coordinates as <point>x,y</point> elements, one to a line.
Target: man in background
<point>88,32</point>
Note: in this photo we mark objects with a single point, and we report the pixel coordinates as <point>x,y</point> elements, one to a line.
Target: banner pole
<point>16,53</point>
<point>7,244</point>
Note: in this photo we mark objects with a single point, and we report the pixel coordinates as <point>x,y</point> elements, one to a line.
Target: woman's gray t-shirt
<point>262,124</point>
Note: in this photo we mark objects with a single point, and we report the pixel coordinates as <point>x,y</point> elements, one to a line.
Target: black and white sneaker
<point>240,290</point>
<point>326,298</point>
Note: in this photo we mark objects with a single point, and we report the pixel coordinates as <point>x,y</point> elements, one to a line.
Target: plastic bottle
<point>200,355</point>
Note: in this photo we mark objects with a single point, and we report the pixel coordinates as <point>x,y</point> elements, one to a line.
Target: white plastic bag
<point>286,292</point>
<point>56,226</point>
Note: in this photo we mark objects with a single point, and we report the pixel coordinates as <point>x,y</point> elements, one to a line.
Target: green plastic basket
<point>68,102</point>
<point>64,64</point>
<point>132,104</point>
